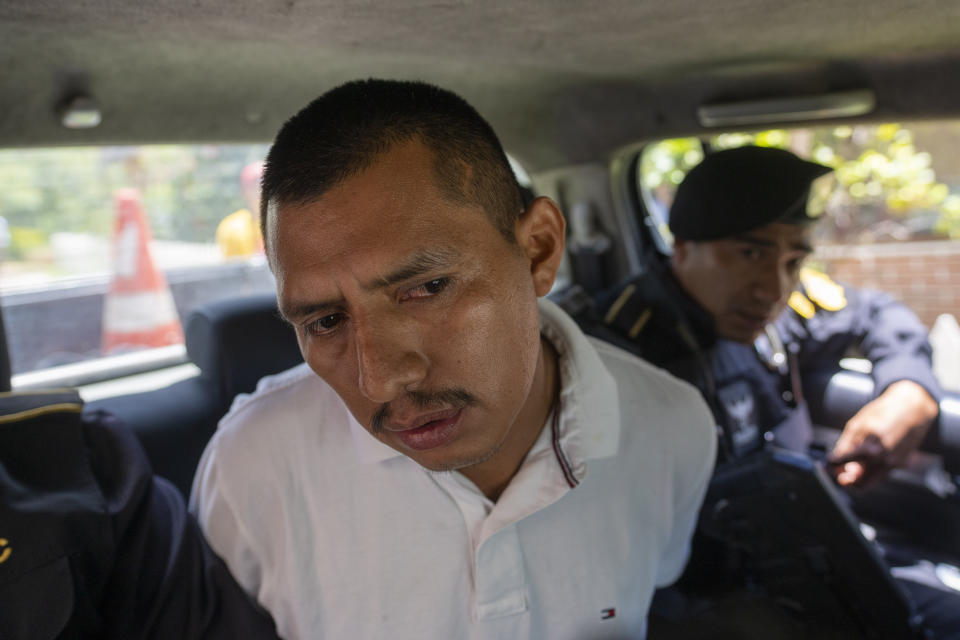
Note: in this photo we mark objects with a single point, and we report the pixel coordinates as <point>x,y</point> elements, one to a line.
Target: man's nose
<point>389,360</point>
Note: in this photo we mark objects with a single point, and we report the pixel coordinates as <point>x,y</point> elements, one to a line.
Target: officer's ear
<point>540,231</point>
<point>687,261</point>
<point>681,254</point>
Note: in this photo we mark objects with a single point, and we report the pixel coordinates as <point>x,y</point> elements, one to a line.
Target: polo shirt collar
<point>589,425</point>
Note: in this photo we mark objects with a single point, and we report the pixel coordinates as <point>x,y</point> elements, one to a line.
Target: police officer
<point>741,233</point>
<point>733,311</point>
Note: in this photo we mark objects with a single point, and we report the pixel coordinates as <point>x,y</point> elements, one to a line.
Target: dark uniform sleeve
<point>93,545</point>
<point>827,321</point>
<point>166,582</point>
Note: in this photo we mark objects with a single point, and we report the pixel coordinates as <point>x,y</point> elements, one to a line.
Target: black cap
<point>741,189</point>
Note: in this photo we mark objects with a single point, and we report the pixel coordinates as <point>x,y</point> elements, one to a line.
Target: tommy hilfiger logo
<point>606,614</point>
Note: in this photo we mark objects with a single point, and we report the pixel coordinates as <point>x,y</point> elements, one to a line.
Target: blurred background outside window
<point>107,250</point>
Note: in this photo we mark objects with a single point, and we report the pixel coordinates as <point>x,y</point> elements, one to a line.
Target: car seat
<point>234,342</point>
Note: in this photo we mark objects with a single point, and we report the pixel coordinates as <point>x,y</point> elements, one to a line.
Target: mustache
<point>458,398</point>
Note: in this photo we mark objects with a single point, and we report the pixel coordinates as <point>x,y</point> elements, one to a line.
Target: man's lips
<point>428,430</point>
<point>420,420</point>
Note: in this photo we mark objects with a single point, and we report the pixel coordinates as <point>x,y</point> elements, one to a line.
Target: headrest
<point>237,341</point>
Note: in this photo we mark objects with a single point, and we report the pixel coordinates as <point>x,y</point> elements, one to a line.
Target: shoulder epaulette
<point>802,305</point>
<point>822,291</point>
<point>22,405</point>
<point>626,315</point>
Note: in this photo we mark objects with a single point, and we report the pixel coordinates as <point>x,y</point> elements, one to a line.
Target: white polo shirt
<point>340,536</point>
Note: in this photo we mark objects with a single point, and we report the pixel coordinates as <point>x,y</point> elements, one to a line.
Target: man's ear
<point>541,234</point>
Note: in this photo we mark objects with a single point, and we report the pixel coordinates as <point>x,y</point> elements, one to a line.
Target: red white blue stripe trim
<point>561,457</point>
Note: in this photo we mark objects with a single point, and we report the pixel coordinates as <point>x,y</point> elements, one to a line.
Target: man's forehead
<point>776,234</point>
<point>387,211</point>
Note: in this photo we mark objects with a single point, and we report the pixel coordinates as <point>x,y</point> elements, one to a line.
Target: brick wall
<point>924,275</point>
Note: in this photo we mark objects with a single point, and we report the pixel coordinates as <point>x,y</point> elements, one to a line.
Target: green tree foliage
<point>884,185</point>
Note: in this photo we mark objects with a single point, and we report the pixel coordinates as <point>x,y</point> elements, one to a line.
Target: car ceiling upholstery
<point>563,82</point>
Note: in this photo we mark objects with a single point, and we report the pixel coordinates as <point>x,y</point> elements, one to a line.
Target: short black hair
<point>342,132</point>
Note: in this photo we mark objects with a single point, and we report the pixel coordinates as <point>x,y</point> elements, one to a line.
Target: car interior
<point>578,92</point>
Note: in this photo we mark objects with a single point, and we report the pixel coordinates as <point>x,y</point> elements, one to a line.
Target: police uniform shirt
<point>827,321</point>
<point>824,323</point>
<point>652,316</point>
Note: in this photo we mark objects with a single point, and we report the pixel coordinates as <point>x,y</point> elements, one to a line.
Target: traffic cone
<point>138,311</point>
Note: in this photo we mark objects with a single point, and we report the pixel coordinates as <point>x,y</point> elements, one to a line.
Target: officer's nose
<point>389,359</point>
<point>772,285</point>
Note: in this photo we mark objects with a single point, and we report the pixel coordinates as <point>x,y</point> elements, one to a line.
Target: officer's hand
<point>883,434</point>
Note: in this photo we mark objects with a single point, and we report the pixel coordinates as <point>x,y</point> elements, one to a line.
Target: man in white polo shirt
<point>455,459</point>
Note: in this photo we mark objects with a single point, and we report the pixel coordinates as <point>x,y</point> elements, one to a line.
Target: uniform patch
<point>741,413</point>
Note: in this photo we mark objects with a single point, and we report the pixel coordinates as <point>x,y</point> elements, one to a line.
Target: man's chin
<point>743,328</point>
<point>442,464</point>
<point>741,335</point>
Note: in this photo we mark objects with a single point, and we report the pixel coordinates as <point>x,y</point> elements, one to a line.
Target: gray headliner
<point>563,82</point>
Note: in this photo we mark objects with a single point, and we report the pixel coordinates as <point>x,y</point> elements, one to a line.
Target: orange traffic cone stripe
<point>139,311</point>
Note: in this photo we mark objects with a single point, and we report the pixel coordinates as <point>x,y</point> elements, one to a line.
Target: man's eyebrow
<point>800,245</point>
<point>418,264</point>
<point>295,312</point>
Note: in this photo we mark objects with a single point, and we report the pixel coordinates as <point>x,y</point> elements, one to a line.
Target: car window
<point>107,250</point>
<point>890,210</point>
